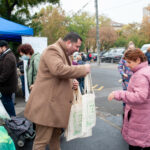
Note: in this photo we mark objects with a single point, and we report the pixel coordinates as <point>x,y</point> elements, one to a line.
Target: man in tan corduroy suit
<point>51,98</point>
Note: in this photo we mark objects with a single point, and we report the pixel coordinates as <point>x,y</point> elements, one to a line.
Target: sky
<point>121,11</point>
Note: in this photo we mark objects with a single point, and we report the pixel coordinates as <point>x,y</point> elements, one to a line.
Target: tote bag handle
<point>88,84</point>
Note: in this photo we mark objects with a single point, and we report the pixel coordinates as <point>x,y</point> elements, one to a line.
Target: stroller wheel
<point>21,141</point>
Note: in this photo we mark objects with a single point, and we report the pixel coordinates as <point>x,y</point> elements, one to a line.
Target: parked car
<point>117,55</point>
<point>103,56</point>
<point>106,57</point>
<point>113,55</point>
<point>145,47</point>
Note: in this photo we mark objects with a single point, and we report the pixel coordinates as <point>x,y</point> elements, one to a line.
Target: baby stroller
<point>20,129</point>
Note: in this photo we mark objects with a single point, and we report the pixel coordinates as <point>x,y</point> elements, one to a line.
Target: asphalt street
<point>107,132</point>
<point>107,78</point>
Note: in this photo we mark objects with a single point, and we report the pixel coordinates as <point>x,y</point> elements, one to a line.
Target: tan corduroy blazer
<point>51,98</point>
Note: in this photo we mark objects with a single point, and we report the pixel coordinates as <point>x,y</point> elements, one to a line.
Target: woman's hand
<point>125,75</point>
<point>75,84</point>
<point>111,96</point>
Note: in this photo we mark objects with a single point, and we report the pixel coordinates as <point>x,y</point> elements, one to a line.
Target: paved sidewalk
<point>20,104</point>
<point>105,137</point>
<point>106,134</point>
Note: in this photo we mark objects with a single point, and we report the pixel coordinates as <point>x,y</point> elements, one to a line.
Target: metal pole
<point>97,33</point>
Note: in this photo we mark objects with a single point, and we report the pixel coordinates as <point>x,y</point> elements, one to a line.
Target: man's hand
<point>88,68</point>
<point>31,87</point>
<point>111,96</point>
<point>75,84</point>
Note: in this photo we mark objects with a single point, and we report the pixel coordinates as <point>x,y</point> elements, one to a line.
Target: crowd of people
<point>52,77</point>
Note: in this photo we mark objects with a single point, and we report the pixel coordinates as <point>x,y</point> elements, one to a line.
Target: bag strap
<point>77,96</point>
<point>32,71</point>
<point>88,84</point>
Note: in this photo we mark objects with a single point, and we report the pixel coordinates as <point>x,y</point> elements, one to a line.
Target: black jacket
<point>148,57</point>
<point>8,72</point>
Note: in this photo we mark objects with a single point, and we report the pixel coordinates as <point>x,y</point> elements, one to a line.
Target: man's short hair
<point>72,36</point>
<point>3,43</point>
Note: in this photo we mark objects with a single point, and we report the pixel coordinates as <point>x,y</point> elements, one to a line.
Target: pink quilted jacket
<point>136,126</point>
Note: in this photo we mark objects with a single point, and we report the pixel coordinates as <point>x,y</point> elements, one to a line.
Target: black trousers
<point>138,148</point>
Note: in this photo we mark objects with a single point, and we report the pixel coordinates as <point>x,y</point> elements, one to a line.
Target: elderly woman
<point>27,53</point>
<point>136,124</point>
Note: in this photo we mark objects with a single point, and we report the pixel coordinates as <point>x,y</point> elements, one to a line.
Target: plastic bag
<point>3,112</point>
<point>6,143</point>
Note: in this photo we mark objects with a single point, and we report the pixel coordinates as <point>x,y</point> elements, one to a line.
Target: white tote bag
<point>88,105</point>
<point>74,129</point>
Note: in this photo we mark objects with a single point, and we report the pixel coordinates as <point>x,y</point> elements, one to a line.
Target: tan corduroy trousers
<point>47,135</point>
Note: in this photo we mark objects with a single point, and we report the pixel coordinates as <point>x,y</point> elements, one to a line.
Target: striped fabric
<point>123,69</point>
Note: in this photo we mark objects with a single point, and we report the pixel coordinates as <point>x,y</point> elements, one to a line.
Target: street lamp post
<point>97,33</point>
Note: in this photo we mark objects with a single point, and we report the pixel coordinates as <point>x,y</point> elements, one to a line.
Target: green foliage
<point>36,25</point>
<point>104,21</point>
<point>81,23</point>
<point>120,42</point>
<point>123,42</point>
<point>130,32</point>
<point>138,40</point>
<point>108,36</point>
<point>13,46</point>
<point>51,22</point>
<point>82,47</point>
<point>19,10</point>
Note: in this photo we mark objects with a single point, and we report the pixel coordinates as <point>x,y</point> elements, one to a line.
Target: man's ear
<point>3,48</point>
<point>68,43</point>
